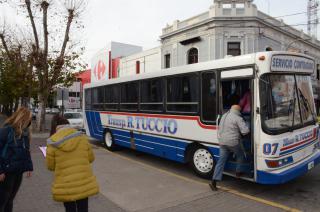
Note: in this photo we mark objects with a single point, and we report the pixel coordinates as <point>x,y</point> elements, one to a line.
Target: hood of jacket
<point>64,139</point>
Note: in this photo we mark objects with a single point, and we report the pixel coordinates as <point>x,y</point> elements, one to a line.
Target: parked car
<point>75,119</point>
<point>48,110</point>
<point>55,110</point>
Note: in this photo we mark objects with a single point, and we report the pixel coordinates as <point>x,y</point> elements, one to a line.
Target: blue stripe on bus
<point>162,147</point>
<point>95,127</point>
<point>89,123</point>
<point>165,147</point>
<point>299,147</point>
<point>272,178</point>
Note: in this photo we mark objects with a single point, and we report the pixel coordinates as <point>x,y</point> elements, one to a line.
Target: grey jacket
<point>231,127</point>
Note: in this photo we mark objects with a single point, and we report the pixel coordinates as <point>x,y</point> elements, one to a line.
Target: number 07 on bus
<point>175,113</point>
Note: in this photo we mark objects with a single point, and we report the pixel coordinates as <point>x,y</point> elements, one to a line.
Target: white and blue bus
<point>175,112</point>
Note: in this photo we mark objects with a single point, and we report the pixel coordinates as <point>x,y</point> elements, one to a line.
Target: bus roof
<point>229,62</point>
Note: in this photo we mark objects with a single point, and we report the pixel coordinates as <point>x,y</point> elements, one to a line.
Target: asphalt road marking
<point>225,189</point>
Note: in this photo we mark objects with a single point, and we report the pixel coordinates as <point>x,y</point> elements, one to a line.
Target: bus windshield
<point>286,102</point>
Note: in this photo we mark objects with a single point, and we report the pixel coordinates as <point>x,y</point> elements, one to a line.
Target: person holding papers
<point>69,155</point>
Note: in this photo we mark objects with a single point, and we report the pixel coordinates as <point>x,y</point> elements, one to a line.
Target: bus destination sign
<point>292,63</point>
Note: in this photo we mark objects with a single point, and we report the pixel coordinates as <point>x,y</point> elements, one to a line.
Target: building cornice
<point>243,19</point>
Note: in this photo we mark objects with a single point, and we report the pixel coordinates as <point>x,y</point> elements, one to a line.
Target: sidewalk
<point>35,192</point>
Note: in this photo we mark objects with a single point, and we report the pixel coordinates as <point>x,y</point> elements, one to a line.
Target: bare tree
<point>49,67</point>
<point>49,56</point>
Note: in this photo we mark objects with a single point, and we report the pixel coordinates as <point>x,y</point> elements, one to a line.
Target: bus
<point>174,114</point>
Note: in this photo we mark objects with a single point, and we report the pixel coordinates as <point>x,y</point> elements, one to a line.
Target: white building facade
<point>232,27</point>
<point>142,62</point>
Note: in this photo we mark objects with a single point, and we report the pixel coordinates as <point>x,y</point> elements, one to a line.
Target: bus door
<point>236,87</point>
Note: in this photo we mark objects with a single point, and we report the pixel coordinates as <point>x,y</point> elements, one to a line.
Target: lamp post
<point>292,42</point>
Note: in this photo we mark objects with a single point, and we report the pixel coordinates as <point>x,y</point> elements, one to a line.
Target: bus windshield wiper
<point>294,107</point>
<point>307,105</point>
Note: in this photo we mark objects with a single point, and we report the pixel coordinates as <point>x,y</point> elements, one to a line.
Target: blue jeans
<point>224,155</point>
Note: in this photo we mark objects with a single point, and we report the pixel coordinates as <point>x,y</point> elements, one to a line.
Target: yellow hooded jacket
<point>69,155</point>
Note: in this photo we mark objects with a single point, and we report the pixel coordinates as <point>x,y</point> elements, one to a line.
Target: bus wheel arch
<point>109,140</point>
<point>200,159</point>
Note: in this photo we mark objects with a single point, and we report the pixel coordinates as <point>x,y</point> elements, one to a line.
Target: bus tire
<point>109,141</point>
<point>201,161</point>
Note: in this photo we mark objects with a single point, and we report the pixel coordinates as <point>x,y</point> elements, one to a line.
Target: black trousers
<point>77,206</point>
<point>8,190</point>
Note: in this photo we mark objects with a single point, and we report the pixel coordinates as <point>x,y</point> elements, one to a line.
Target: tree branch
<point>5,46</point>
<point>34,28</point>
<point>60,60</point>
<point>44,59</point>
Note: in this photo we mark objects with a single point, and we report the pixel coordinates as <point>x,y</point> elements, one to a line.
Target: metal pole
<point>62,106</point>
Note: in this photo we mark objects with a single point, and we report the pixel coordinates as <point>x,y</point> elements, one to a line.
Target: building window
<point>167,61</point>
<point>193,56</point>
<point>234,49</point>
<point>138,67</point>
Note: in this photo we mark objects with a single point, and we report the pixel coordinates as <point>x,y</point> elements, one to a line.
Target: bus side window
<point>111,97</point>
<point>209,101</point>
<point>183,93</point>
<point>151,95</point>
<point>129,96</point>
<point>88,98</point>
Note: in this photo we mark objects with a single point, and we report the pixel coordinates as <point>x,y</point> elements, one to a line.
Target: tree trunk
<point>16,105</point>
<point>41,118</point>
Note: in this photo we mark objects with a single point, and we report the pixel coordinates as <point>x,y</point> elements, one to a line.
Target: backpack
<point>10,137</point>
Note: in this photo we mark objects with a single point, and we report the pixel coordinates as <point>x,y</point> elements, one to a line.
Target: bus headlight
<point>279,163</point>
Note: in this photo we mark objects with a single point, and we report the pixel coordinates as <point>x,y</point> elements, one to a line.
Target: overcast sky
<point>140,22</point>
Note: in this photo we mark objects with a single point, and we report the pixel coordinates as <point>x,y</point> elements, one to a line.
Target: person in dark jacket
<point>15,158</point>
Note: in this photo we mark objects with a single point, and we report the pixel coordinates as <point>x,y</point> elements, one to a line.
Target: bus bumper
<point>278,178</point>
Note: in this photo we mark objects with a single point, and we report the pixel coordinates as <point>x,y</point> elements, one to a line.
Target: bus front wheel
<point>202,162</point>
<point>108,141</point>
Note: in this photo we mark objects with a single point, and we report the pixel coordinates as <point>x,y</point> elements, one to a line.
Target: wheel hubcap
<point>108,139</point>
<point>203,160</point>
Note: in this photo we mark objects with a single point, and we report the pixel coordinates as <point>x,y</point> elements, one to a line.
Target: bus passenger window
<point>151,95</point>
<point>112,97</point>
<point>209,104</point>
<point>183,93</point>
<point>95,99</point>
<point>129,96</point>
<point>88,99</point>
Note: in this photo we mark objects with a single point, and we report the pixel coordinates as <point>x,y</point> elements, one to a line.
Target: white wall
<point>150,61</point>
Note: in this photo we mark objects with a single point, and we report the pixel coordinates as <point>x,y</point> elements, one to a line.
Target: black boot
<point>213,185</point>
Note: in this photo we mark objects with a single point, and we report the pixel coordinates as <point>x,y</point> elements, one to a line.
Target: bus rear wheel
<point>108,141</point>
<point>202,162</point>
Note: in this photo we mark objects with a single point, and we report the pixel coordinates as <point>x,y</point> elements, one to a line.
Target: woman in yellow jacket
<point>69,155</point>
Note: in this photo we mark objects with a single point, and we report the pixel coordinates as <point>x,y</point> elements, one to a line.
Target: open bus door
<point>235,87</point>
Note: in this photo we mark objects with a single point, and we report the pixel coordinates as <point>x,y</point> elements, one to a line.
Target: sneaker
<point>213,185</point>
